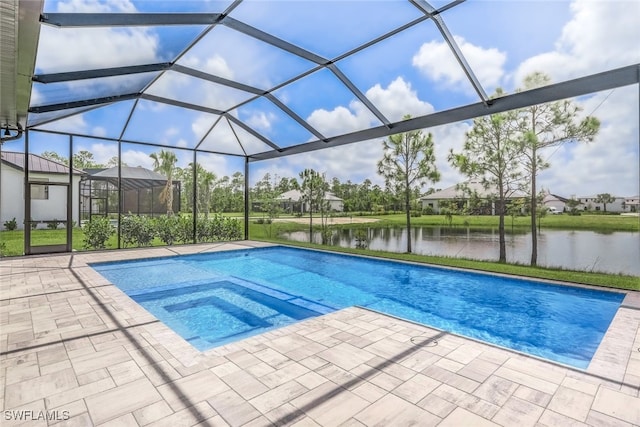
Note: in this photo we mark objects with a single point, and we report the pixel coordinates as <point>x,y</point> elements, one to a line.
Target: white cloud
<point>609,164</point>
<point>398,100</point>
<point>436,61</point>
<point>358,161</point>
<point>341,119</point>
<point>99,131</point>
<point>601,35</point>
<point>96,6</point>
<point>136,158</point>
<point>102,152</point>
<point>261,121</point>
<point>94,48</point>
<point>75,123</point>
<point>73,49</point>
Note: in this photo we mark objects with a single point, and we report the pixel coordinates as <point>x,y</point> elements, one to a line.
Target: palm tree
<point>165,163</point>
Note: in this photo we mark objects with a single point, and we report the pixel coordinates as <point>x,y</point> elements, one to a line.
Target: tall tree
<point>52,155</point>
<point>408,162</point>
<point>313,188</point>
<point>83,159</point>
<point>204,189</point>
<point>492,154</point>
<point>236,186</point>
<point>605,199</point>
<point>164,162</point>
<point>548,125</point>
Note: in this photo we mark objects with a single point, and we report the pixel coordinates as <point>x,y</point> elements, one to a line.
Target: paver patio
<point>75,348</point>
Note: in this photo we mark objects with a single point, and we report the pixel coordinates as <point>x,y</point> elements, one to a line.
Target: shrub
<point>166,228</point>
<point>204,230</point>
<point>415,213</point>
<point>362,238</point>
<point>96,232</point>
<point>11,225</point>
<point>53,224</point>
<point>136,230</point>
<point>184,229</point>
<point>428,210</point>
<point>226,228</point>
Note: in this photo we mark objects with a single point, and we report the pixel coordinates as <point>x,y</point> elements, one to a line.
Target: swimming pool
<point>215,298</point>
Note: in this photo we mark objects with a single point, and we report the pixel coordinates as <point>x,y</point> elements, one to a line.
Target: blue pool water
<point>211,299</point>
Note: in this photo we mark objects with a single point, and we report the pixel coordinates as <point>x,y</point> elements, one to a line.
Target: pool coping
<point>615,367</point>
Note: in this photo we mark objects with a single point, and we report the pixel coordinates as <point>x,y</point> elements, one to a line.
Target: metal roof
<point>36,163</point>
<point>462,191</point>
<point>128,172</point>
<point>214,108</point>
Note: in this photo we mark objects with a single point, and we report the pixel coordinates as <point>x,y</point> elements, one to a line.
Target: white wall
<point>555,203</point>
<point>55,207</point>
<point>590,204</point>
<point>11,200</point>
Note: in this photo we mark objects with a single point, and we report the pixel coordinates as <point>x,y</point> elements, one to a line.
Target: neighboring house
<point>555,201</point>
<point>141,190</point>
<point>48,202</point>
<point>631,204</point>
<point>291,201</point>
<point>456,194</point>
<point>588,203</point>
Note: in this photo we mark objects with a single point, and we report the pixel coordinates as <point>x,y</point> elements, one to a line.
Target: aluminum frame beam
<point>434,14</point>
<point>361,97</point>
<point>302,122</point>
<point>71,20</point>
<point>272,40</point>
<point>253,132</point>
<point>99,73</point>
<point>612,79</point>
<point>82,103</point>
<point>181,104</point>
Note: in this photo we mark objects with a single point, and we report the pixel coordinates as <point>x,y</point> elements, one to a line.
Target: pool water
<point>215,298</point>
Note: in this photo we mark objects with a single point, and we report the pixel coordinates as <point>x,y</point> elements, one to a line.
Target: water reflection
<point>612,252</point>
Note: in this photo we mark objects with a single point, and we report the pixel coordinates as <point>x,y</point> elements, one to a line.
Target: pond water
<point>615,252</point>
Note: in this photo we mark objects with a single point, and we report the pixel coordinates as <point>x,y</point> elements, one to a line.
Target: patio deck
<point>74,346</point>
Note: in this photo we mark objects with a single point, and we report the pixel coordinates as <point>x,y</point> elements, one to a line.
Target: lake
<point>611,252</point>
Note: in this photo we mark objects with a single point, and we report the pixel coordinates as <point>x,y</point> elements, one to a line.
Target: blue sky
<point>410,73</point>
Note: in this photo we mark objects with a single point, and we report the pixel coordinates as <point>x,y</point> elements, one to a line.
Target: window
<point>40,192</point>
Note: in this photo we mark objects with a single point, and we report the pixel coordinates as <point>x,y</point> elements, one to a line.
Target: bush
<point>361,237</point>
<point>428,210</point>
<point>136,230</point>
<point>96,232</point>
<point>11,225</point>
<point>226,228</point>
<point>184,229</point>
<point>415,213</point>
<point>53,224</point>
<point>166,228</point>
